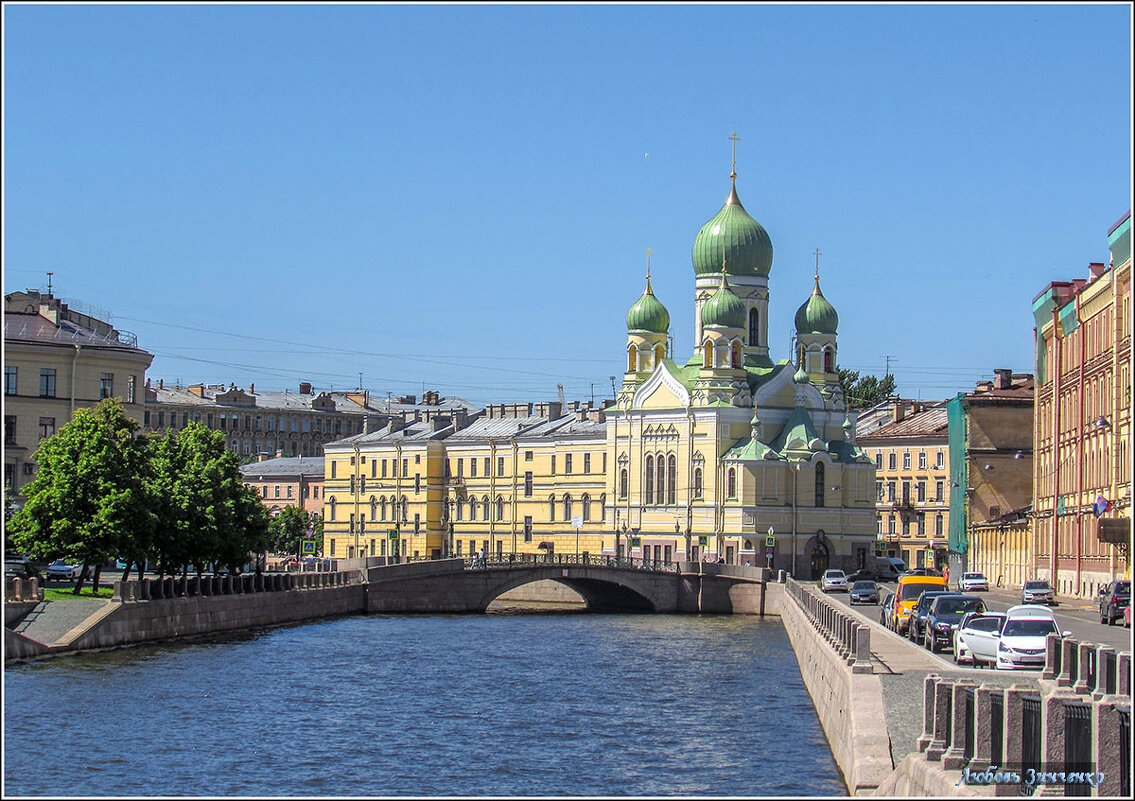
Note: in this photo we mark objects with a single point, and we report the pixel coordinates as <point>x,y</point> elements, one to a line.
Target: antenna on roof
<point>49,274</point>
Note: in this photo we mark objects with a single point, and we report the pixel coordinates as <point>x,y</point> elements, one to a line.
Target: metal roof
<point>311,466</point>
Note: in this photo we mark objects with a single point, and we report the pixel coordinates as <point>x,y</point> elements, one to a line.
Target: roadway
<point>1074,615</point>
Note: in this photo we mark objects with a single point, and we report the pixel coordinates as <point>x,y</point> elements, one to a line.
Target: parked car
<point>923,571</point>
<point>59,570</point>
<point>974,640</point>
<point>917,623</point>
<point>833,581</point>
<point>1112,600</point>
<point>20,570</point>
<point>893,567</point>
<point>971,582</point>
<point>1037,591</point>
<point>1022,639</point>
<point>887,610</point>
<point>946,612</point>
<point>907,592</point>
<point>864,592</point>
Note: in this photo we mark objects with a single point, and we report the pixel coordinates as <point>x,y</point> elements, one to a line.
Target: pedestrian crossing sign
<point>636,542</point>
<point>703,540</point>
<point>307,546</point>
<point>393,533</point>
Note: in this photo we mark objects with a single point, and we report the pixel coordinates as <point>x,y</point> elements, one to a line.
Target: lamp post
<point>795,472</point>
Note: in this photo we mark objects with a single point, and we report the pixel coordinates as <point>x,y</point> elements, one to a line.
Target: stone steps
<point>51,620</point>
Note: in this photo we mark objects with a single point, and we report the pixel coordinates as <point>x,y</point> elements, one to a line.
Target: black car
<point>1112,600</point>
<point>920,610</point>
<point>943,617</point>
<point>867,575</point>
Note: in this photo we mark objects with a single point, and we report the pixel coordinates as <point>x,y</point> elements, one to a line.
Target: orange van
<point>906,596</point>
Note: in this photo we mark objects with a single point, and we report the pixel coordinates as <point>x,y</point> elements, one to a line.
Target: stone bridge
<point>605,583</point>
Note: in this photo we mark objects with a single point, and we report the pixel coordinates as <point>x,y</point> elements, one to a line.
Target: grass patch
<point>69,595</point>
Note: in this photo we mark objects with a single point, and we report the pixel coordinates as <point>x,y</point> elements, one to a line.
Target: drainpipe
<point>74,363</point>
<point>1058,368</point>
<point>1080,460</point>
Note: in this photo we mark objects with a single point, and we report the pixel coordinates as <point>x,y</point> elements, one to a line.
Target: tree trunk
<point>126,572</point>
<point>95,580</point>
<point>82,578</point>
<point>185,571</point>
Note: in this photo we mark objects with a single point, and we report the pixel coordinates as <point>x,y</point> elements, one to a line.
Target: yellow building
<point>710,458</point>
<point>1082,464</point>
<point>912,482</point>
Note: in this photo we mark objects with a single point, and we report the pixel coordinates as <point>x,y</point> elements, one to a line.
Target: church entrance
<point>819,560</point>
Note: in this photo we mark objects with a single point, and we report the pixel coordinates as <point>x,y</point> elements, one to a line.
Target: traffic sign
<point>770,541</point>
<point>636,542</point>
<point>393,533</point>
<point>703,540</point>
<point>577,521</point>
<point>307,546</point>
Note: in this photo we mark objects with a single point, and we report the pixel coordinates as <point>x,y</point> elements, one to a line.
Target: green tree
<point>864,392</point>
<point>288,529</point>
<point>207,514</point>
<point>89,499</point>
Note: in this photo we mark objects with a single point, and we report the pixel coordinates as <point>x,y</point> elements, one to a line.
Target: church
<point>724,456</point>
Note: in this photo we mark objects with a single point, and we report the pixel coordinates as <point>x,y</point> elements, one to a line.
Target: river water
<point>439,705</point>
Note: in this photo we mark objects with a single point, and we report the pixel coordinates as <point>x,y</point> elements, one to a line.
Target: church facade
<point>724,455</point>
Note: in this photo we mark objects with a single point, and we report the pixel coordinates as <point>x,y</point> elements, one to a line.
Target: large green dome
<point>648,314</point>
<point>746,244</point>
<point>723,309</point>
<point>816,316</point>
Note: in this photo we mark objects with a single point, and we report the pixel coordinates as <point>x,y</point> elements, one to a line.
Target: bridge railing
<point>567,559</point>
<point>848,637</point>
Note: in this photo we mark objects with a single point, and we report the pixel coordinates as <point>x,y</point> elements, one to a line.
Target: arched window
<point>373,508</point>
<point>485,508</point>
<point>697,482</point>
<point>671,480</point>
<point>707,354</point>
<point>331,504</point>
<point>754,326</point>
<point>567,508</point>
<point>382,508</point>
<point>585,502</point>
<point>649,496</point>
<point>819,484</point>
<point>623,483</point>
<point>500,508</point>
<point>659,353</point>
<point>731,483</point>
<point>551,508</point>
<point>661,489</point>
<point>460,511</point>
<point>632,359</point>
<point>735,356</point>
<point>603,508</point>
<point>829,360</point>
<point>472,508</point>
<point>405,516</point>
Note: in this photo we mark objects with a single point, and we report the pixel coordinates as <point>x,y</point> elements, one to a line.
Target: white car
<point>1023,636</point>
<point>973,581</point>
<point>833,581</point>
<point>974,641</point>
<point>60,570</point>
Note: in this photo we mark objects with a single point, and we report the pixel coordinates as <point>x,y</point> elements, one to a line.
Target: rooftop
<point>310,466</point>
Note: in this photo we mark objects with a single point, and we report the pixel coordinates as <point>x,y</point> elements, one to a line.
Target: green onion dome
<point>648,314</point>
<point>817,316</point>
<point>745,243</point>
<point>724,309</point>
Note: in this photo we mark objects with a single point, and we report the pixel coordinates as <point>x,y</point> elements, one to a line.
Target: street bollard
<point>862,662</point>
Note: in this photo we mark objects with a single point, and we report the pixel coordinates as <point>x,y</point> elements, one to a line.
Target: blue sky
<point>461,198</point>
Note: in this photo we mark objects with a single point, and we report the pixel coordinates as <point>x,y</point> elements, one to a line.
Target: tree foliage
<point>104,492</point>
<point>866,391</point>
<point>288,529</point>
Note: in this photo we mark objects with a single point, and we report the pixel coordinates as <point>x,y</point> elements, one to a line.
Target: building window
<point>46,427</point>
<point>754,327</point>
<point>819,484</point>
<point>288,490</point>
<point>332,546</point>
<point>940,461</point>
<point>106,385</point>
<point>500,465</point>
<point>938,525</point>
<point>417,482</point>
<point>671,480</point>
<point>939,490</point>
<point>922,460</point>
<point>878,460</point>
<point>528,456</point>
<point>473,467</point>
<point>891,524</point>
<point>585,502</point>
<point>9,429</point>
<point>567,508</point>
<point>649,497</point>
<point>731,483</point>
<point>587,462</point>
<point>623,483</point>
<point>331,508</point>
<point>47,383</point>
<point>553,464</point>
<point>528,484</point>
<point>921,492</point>
<point>552,509</point>
<point>892,460</point>
<point>10,379</point>
<point>567,463</point>
<point>891,491</point>
<point>697,482</point>
<point>487,463</point>
<point>276,491</point>
<point>921,524</point>
<point>527,528</point>
<point>906,460</point>
<point>405,467</point>
<point>500,508</point>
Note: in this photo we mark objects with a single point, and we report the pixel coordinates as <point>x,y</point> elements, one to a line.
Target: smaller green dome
<point>724,309</point>
<point>648,314</point>
<point>816,316</point>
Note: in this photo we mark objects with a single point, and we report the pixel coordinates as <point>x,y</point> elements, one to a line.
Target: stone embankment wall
<point>849,705</point>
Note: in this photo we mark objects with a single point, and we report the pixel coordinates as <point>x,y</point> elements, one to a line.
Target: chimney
<point>197,389</point>
<point>1004,379</point>
<point>251,389</point>
<point>1095,270</point>
<point>395,424</point>
<point>305,387</point>
<point>439,422</point>
<point>900,411</point>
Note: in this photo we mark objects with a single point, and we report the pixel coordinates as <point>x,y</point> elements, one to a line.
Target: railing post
<point>961,716</point>
<point>117,596</point>
<point>943,709</point>
<point>929,685</point>
<point>1105,672</point>
<point>862,651</point>
<point>1085,658</point>
<point>1123,674</point>
<point>1052,652</point>
<point>1066,732</point>
<point>988,728</point>
<point>1013,742</point>
<point>1067,676</point>
<point>1111,739</point>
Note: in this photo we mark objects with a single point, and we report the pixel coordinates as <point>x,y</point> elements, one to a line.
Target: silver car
<point>1037,591</point>
<point>833,581</point>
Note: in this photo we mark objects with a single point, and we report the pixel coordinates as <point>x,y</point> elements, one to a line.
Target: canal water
<point>441,705</point>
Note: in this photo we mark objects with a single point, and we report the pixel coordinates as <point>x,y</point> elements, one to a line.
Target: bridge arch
<point>611,590</point>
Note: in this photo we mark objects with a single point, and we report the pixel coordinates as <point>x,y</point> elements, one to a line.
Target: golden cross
<point>648,252</point>
<point>818,254</point>
<point>733,172</point>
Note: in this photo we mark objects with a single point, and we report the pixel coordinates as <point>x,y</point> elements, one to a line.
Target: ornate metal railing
<point>507,560</point>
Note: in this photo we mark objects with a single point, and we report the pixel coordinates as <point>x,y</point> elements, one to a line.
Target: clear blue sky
<point>460,197</point>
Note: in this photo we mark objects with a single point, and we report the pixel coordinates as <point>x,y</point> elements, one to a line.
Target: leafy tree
<point>288,529</point>
<point>865,392</point>
<point>207,513</point>
<point>89,499</point>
